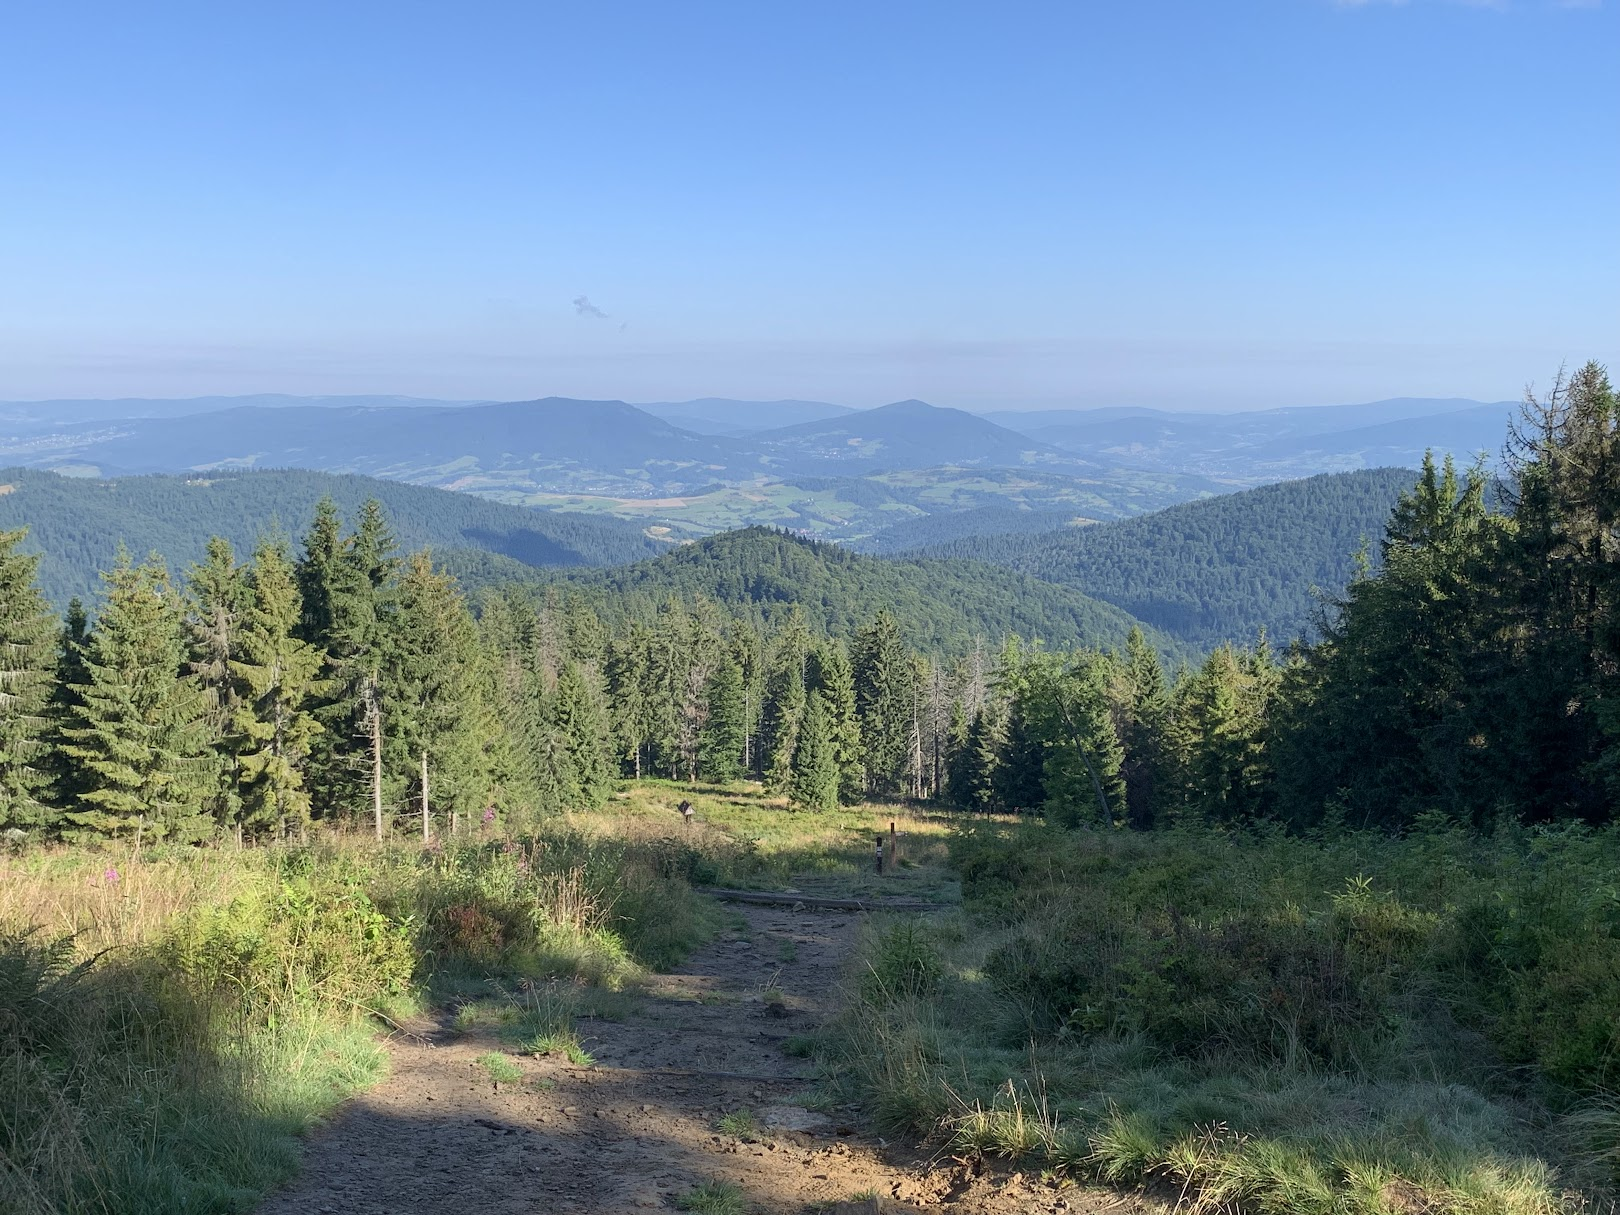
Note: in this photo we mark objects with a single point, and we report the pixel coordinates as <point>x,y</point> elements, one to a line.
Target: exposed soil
<point>638,1129</point>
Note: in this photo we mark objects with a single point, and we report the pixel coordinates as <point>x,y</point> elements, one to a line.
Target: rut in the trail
<point>629,1134</point>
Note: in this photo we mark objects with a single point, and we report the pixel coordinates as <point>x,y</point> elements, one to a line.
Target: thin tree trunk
<point>375,720</point>
<point>427,827</point>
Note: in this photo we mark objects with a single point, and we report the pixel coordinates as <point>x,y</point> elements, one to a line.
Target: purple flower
<point>489,814</point>
<point>111,876</point>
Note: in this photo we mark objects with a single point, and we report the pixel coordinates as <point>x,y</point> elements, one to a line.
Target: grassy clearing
<point>1363,1025</point>
<point>172,1019</point>
<point>743,837</point>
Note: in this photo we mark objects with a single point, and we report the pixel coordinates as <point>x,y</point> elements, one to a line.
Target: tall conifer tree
<point>813,783</point>
<point>720,756</point>
<point>138,731</point>
<point>27,661</point>
<point>436,701</point>
<point>279,678</point>
<point>883,703</point>
<point>830,674</point>
<point>219,598</point>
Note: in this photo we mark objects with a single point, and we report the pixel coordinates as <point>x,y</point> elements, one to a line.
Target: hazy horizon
<point>337,399</point>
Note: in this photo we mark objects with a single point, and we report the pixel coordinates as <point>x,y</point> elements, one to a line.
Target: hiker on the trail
<point>686,811</point>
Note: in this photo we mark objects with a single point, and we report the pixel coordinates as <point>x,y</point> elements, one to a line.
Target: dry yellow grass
<point>109,897</point>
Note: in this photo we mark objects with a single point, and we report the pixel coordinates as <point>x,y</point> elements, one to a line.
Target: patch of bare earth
<point>638,1129</point>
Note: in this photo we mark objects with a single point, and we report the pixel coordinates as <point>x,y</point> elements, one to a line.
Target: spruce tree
<point>352,622</point>
<point>1147,719</point>
<point>1018,776</point>
<point>579,717</point>
<point>829,673</point>
<point>629,671</point>
<point>720,754</point>
<point>436,696</point>
<point>138,732</point>
<point>813,782</point>
<point>279,678</point>
<point>783,715</point>
<point>783,703</point>
<point>67,778</point>
<point>1068,711</point>
<point>983,759</point>
<point>27,662</point>
<point>320,575</point>
<point>219,597</point>
<point>883,704</point>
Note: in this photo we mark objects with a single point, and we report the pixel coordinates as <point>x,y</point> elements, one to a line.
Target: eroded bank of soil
<point>629,1134</point>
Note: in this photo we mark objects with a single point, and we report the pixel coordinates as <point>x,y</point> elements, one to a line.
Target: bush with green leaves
<point>1351,1024</point>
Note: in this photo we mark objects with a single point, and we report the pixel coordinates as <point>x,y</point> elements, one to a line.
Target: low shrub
<point>1280,1025</point>
<point>170,1022</point>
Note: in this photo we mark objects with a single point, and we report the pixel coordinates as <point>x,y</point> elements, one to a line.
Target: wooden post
<point>427,832</point>
<point>894,846</point>
<point>879,855</point>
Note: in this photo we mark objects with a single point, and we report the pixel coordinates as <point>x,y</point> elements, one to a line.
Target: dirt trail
<point>626,1135</point>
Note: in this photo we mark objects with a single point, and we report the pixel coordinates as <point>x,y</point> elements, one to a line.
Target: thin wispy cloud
<point>584,307</point>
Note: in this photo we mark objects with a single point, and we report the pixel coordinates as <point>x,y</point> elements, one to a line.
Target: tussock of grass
<point>740,1124</point>
<point>713,1198</point>
<point>500,1069</point>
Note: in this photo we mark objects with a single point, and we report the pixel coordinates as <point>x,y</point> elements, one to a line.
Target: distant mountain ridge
<point>77,523</point>
<point>555,444</point>
<point>1272,444</point>
<point>734,463</point>
<point>723,416</point>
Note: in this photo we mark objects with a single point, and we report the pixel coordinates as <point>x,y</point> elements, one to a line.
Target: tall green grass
<point>160,1053</point>
<point>1351,1025</point>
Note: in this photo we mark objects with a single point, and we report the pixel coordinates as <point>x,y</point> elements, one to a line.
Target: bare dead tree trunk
<point>427,826</point>
<point>374,723</point>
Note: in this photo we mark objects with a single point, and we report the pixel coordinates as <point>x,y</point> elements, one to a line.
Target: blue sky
<point>1200,203</point>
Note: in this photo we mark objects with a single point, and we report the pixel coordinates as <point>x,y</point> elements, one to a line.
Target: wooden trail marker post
<point>894,846</point>
<point>879,855</point>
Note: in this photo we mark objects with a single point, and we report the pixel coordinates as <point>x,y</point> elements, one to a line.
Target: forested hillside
<point>949,527</point>
<point>941,606</point>
<point>1220,569</point>
<point>77,523</point>
<point>344,682</point>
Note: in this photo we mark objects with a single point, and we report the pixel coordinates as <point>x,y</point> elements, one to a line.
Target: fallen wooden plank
<point>771,898</point>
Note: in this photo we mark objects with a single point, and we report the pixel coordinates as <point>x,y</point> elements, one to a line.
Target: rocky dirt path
<point>637,1130</point>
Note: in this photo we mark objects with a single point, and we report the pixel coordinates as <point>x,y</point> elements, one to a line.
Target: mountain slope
<point>28,417</point>
<point>906,434</point>
<point>979,522</point>
<point>1270,444</point>
<point>598,446</point>
<point>1218,569</point>
<point>941,605</point>
<point>722,416</point>
<point>78,523</point>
